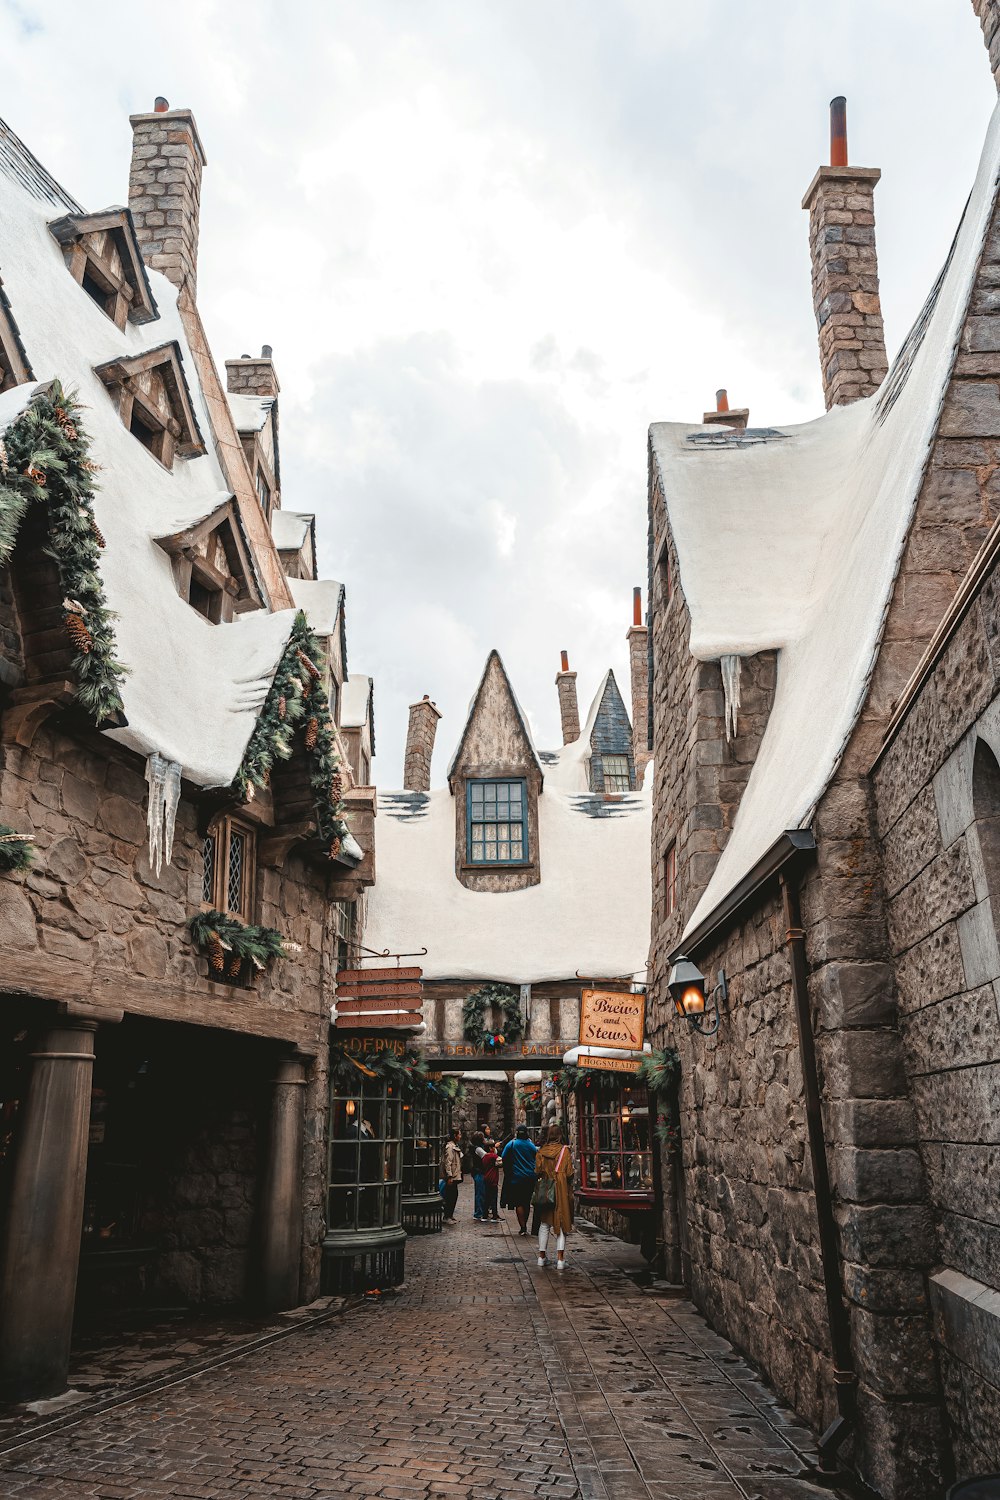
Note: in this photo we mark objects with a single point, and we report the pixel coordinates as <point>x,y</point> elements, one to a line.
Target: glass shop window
<point>423,1146</point>
<point>615,1138</point>
<point>366,1155</point>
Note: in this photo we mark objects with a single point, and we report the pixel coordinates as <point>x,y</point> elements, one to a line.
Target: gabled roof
<point>791,538</point>
<point>167,362</point>
<point>495,656</point>
<point>608,683</point>
<point>117,222</point>
<point>357,704</point>
<point>290,529</point>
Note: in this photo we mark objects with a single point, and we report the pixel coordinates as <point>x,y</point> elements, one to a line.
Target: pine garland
<point>296,699</point>
<point>661,1073</point>
<point>17,850</point>
<point>43,460</point>
<point>476,1008</point>
<point>231,946</point>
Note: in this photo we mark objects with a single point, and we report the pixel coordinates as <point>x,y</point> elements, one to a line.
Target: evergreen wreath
<point>235,950</point>
<point>43,460</point>
<point>296,699</point>
<point>17,850</point>
<point>476,1008</point>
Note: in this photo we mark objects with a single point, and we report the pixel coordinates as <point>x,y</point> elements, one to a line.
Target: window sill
<point>616,1198</point>
<point>499,864</point>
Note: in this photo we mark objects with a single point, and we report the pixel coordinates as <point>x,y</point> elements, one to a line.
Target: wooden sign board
<point>612,1018</point>
<point>363,1007</point>
<point>379,1018</point>
<point>377,976</point>
<point>405,990</point>
<point>613,1064</point>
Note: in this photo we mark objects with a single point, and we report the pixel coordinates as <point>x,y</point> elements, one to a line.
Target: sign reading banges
<point>612,1018</point>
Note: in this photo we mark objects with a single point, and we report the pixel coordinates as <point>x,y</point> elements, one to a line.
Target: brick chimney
<point>723,416</point>
<point>841,204</point>
<point>569,711</point>
<point>164,191</point>
<point>638,656</point>
<point>250,376</point>
<point>988,12</point>
<point>420,745</point>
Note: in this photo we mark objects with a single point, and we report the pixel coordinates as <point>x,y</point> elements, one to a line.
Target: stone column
<point>569,712</point>
<point>988,12</point>
<point>41,1250</point>
<point>281,1189</point>
<point>841,205</point>
<point>420,735</point>
<point>164,191</point>
<point>638,655</point>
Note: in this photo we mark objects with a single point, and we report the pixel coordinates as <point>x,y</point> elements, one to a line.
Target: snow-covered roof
<point>194,689</point>
<point>322,599</point>
<point>357,704</point>
<point>249,412</point>
<point>589,913</point>
<point>791,538</point>
<point>290,529</point>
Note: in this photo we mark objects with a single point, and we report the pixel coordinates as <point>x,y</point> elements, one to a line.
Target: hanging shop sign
<point>365,1020</point>
<point>379,997</point>
<point>612,1018</point>
<point>612,1064</point>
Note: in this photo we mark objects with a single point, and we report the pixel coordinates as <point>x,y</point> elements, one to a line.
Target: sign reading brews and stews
<point>612,1018</point>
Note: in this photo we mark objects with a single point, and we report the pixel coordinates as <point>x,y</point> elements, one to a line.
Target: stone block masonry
<point>420,735</point>
<point>164,192</point>
<point>988,12</point>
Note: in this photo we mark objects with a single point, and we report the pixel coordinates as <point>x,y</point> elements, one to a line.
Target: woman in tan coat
<point>554,1165</point>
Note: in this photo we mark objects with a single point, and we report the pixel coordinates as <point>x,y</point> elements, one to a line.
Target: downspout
<point>844,1375</point>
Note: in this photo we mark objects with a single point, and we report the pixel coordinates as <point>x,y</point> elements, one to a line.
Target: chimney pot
<point>637,606</point>
<point>266,351</point>
<point>722,416</point>
<point>564,661</point>
<point>838,131</point>
<point>722,400</point>
<point>160,105</point>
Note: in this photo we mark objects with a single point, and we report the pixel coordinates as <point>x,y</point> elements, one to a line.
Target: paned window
<point>497,818</point>
<point>423,1146</point>
<point>615,1143</point>
<point>366,1155</point>
<point>228,857</point>
<point>616,776</point>
<point>670,881</point>
<point>343,929</point>
<point>264,493</point>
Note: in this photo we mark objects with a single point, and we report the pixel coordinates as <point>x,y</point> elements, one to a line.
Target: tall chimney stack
<point>164,191</point>
<point>252,376</point>
<point>638,656</point>
<point>569,711</point>
<point>988,12</point>
<point>841,204</point>
<point>420,745</point>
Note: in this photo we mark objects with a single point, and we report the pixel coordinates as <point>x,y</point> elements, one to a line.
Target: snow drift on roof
<point>249,412</point>
<point>321,598</point>
<point>290,529</point>
<point>356,701</point>
<point>193,689</point>
<point>794,541</point>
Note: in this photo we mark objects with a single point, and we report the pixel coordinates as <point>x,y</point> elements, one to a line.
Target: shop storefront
<point>365,1239</point>
<point>425,1124</point>
<point>614,1141</point>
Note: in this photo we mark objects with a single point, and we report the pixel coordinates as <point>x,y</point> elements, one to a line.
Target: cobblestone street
<point>486,1377</point>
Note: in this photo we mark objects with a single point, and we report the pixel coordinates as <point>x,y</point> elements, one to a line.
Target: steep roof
<point>495,659</point>
<point>791,538</point>
<point>194,689</point>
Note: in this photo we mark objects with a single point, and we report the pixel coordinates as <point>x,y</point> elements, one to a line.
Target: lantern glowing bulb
<point>693,1001</point>
<point>687,987</point>
<point>351,1106</point>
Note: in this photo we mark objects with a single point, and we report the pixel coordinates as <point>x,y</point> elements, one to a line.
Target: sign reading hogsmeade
<point>612,1018</point>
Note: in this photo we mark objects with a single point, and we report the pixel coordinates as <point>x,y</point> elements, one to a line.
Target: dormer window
<point>102,254</point>
<point>616,774</point>
<point>154,403</point>
<point>497,822</point>
<point>14,367</point>
<point>213,568</point>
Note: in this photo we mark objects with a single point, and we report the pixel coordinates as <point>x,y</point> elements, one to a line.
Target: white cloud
<point>489,244</point>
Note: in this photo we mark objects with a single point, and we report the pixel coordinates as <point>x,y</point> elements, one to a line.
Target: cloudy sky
<point>490,241</point>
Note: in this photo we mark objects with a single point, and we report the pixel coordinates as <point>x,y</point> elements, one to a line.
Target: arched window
<point>986,804</point>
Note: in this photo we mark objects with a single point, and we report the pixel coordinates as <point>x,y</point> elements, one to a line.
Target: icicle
<point>731,691</point>
<point>164,778</point>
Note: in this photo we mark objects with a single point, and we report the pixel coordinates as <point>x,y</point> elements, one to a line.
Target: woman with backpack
<point>553,1200</point>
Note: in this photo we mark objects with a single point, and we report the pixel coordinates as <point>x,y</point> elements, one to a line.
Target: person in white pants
<point>554,1195</point>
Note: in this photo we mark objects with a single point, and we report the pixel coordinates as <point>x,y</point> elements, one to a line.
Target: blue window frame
<point>496,822</point>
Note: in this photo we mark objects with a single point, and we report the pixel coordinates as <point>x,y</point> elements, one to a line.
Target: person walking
<point>476,1157</point>
<point>491,1182</point>
<point>553,1198</point>
<point>451,1171</point>
<point>519,1175</point>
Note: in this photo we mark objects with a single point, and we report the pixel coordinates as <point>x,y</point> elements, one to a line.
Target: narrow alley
<point>483,1378</point>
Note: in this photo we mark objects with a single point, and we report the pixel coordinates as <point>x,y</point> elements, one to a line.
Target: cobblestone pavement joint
<point>484,1378</point>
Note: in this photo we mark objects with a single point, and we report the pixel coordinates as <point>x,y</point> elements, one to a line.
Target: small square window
<point>616,773</point>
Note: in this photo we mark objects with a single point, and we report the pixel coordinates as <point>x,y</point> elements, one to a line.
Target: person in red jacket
<point>491,1183</point>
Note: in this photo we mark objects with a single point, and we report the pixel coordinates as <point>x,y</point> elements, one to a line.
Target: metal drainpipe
<point>844,1375</point>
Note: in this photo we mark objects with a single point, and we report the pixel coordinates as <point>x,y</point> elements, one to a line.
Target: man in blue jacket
<point>518,1159</point>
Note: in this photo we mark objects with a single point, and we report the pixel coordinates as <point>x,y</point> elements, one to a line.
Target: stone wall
<point>988,12</point>
<point>11,655</point>
<point>934,792</point>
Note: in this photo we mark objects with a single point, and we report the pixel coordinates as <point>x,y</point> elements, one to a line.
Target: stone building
<point>162,1087</point>
<point>824,688</point>
<point>526,878</point>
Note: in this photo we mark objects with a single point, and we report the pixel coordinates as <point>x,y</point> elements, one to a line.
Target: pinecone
<point>98,533</point>
<point>70,431</point>
<point>36,474</point>
<point>307,687</point>
<point>282,706</point>
<point>335,847</point>
<point>79,634</point>
<point>312,733</point>
<point>216,953</point>
<point>336,787</point>
<point>61,416</point>
<point>235,965</point>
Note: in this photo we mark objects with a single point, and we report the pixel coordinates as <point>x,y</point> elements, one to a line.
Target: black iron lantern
<point>688,990</point>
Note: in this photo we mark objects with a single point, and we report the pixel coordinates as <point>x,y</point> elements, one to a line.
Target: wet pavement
<point>484,1378</point>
